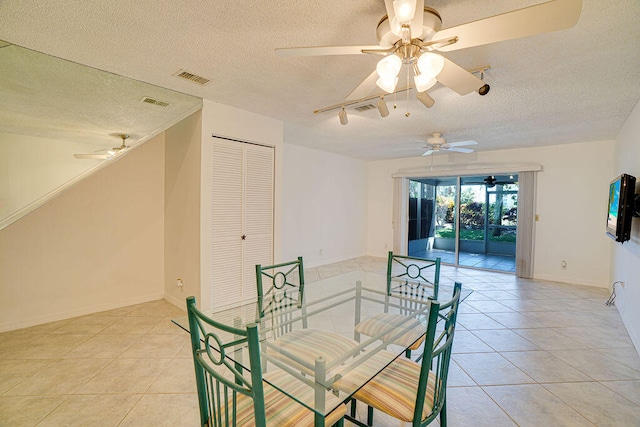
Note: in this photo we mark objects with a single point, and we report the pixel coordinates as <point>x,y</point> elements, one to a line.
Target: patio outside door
<point>468,221</point>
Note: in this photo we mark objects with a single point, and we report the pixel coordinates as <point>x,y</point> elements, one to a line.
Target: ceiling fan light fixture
<point>342,115</point>
<point>387,84</point>
<point>389,66</point>
<point>426,99</point>
<point>382,108</point>
<point>423,82</point>
<point>405,10</point>
<point>430,64</point>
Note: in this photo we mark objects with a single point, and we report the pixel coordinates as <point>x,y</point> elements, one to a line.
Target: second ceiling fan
<point>411,34</point>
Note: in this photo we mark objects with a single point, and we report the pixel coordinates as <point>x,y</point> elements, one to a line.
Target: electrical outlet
<point>563,264</point>
<point>320,252</point>
<point>179,284</point>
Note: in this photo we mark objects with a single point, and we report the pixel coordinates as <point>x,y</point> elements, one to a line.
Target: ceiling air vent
<point>365,107</point>
<point>154,101</point>
<point>184,74</point>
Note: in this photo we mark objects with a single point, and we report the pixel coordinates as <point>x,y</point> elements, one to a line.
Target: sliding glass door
<point>468,220</point>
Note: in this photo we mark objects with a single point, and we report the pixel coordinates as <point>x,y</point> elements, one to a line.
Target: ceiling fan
<point>491,181</point>
<point>438,143</point>
<point>410,34</point>
<point>106,153</point>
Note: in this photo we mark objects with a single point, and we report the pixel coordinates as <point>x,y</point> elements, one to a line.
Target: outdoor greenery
<point>475,234</point>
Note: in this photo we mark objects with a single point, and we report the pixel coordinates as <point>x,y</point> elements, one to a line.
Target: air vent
<point>365,107</point>
<point>184,74</point>
<point>154,101</point>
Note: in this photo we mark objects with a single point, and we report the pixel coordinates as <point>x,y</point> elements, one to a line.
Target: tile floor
<point>469,259</point>
<point>527,353</point>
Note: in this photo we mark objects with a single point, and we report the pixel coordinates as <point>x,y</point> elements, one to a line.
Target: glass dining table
<point>340,305</point>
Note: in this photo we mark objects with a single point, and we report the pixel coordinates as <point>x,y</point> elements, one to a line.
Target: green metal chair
<point>281,298</point>
<point>415,279</point>
<point>229,392</point>
<point>410,391</point>
<point>416,276</point>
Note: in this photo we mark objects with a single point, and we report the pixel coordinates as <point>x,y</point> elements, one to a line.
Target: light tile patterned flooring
<point>470,259</point>
<point>527,353</point>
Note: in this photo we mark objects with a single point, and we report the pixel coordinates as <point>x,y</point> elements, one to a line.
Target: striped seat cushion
<point>306,345</point>
<point>281,410</point>
<point>382,325</point>
<point>393,390</point>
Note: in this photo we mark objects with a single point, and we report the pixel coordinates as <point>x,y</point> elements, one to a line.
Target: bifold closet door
<point>241,218</point>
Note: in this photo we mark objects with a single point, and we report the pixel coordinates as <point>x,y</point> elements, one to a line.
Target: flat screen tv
<point>621,205</point>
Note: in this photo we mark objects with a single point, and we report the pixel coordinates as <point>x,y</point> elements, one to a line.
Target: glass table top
<point>344,321</point>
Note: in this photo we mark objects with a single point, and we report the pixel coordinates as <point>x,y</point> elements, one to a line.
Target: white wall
<point>571,200</point>
<point>182,209</point>
<point>324,206</point>
<point>97,246</point>
<point>31,167</point>
<point>625,261</point>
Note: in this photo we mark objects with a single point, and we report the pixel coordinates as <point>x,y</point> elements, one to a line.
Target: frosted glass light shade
<point>387,84</point>
<point>404,9</point>
<point>430,64</point>
<point>389,66</point>
<point>424,82</point>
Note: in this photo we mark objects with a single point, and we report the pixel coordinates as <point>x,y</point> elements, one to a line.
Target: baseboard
<point>633,334</point>
<point>180,303</point>
<point>54,317</point>
<point>570,281</point>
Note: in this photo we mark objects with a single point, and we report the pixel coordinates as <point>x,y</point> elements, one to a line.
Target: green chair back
<point>280,290</point>
<point>411,274</point>
<point>219,380</point>
<point>436,359</point>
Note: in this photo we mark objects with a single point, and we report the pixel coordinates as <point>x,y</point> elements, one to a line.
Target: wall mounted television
<point>621,207</point>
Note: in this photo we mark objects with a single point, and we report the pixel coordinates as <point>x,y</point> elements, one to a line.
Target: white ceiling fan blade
<point>458,79</point>
<point>460,150</point>
<point>364,88</point>
<point>550,16</point>
<point>416,22</point>
<point>388,4</point>
<point>92,156</point>
<point>462,143</point>
<point>325,50</point>
<point>428,152</point>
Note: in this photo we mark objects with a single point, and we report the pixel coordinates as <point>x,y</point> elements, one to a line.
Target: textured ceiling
<point>568,86</point>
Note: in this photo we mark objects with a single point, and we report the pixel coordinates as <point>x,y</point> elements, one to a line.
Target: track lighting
<point>426,99</point>
<point>382,108</point>
<point>342,115</point>
<point>484,89</point>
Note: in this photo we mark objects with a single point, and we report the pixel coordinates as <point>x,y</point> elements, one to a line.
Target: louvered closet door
<point>242,218</point>
<point>258,213</point>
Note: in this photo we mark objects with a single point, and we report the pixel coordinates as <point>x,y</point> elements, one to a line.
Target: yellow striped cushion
<point>308,344</point>
<point>393,390</point>
<point>281,410</point>
<point>380,324</point>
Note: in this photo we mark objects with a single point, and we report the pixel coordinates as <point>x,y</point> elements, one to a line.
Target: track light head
<point>342,115</point>
<point>382,108</point>
<point>426,99</point>
<point>484,90</point>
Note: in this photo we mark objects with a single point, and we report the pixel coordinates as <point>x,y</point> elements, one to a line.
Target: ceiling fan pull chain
<point>407,114</point>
